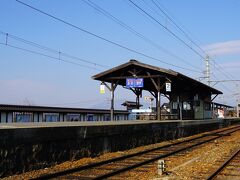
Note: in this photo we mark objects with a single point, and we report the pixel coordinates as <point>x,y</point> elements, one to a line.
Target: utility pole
<point>207,72</point>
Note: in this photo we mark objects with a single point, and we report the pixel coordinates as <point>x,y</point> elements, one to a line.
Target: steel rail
<point>92,165</point>
<point>219,170</point>
<point>118,171</point>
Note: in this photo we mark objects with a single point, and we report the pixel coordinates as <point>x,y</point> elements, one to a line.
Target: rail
<point>154,154</point>
<point>226,163</point>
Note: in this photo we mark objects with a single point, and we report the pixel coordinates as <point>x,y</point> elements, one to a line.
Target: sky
<point>36,51</point>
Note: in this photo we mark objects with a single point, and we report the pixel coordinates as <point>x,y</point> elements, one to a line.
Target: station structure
<point>188,98</point>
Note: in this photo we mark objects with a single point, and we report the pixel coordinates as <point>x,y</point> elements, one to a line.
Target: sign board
<point>141,110</point>
<point>134,82</point>
<point>220,113</point>
<point>168,87</point>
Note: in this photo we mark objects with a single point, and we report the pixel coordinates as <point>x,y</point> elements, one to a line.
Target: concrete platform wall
<point>26,149</point>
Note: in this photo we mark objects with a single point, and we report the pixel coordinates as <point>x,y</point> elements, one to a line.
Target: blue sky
<point>28,78</point>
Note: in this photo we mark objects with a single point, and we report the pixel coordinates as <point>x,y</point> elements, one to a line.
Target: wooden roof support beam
<point>153,81</point>
<point>167,96</point>
<point>214,97</point>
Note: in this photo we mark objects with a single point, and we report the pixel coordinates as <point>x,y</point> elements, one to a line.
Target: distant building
<point>130,105</point>
<point>23,113</point>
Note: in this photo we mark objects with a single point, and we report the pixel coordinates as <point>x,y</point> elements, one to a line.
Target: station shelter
<point>188,98</point>
<point>223,110</point>
<point>130,105</point>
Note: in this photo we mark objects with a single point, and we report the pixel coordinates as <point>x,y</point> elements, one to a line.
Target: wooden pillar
<point>112,101</point>
<point>179,107</point>
<point>111,89</point>
<point>137,101</point>
<point>159,106</point>
<point>138,93</point>
<point>158,100</point>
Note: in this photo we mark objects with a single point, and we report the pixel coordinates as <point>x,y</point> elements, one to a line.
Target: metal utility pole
<point>207,72</point>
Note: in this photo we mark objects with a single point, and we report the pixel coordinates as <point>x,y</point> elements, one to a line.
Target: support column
<point>3,117</point>
<point>179,107</point>
<point>137,101</point>
<point>159,99</point>
<point>10,117</point>
<point>158,105</point>
<point>138,93</point>
<point>112,102</point>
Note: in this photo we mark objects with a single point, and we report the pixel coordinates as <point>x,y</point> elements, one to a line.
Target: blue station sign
<point>134,82</point>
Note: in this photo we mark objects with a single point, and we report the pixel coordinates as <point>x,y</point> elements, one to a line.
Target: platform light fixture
<point>102,88</point>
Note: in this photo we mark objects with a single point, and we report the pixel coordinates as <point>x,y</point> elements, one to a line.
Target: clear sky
<point>30,78</point>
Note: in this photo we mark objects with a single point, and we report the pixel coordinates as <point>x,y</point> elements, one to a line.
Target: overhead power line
<point>133,31</point>
<point>219,68</point>
<point>181,29</point>
<point>228,89</point>
<point>158,5</point>
<point>48,56</point>
<point>104,39</point>
<point>45,48</point>
<point>168,30</point>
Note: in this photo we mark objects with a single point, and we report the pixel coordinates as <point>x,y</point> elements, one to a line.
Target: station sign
<point>168,87</point>
<point>134,82</point>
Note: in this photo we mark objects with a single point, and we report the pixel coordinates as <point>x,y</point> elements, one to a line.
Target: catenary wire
<point>168,30</point>
<point>48,56</point>
<point>49,49</point>
<point>172,20</point>
<point>179,29</point>
<point>156,3</point>
<point>102,38</point>
<point>133,31</point>
<point>220,69</point>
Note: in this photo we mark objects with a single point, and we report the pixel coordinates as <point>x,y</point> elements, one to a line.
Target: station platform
<point>29,146</point>
<point>105,123</point>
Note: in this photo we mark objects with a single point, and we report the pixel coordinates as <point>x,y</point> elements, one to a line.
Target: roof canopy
<point>136,69</point>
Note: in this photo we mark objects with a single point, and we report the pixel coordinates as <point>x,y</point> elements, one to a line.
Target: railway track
<point>114,167</point>
<point>229,169</point>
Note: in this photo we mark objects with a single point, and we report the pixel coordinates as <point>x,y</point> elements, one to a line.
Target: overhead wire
<point>181,29</point>
<point>103,38</point>
<point>184,33</point>
<point>34,44</point>
<point>133,31</point>
<point>220,69</point>
<point>168,30</point>
<point>224,85</point>
<point>48,56</point>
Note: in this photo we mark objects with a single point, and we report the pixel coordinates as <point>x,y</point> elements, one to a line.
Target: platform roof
<point>134,68</point>
<point>47,109</point>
